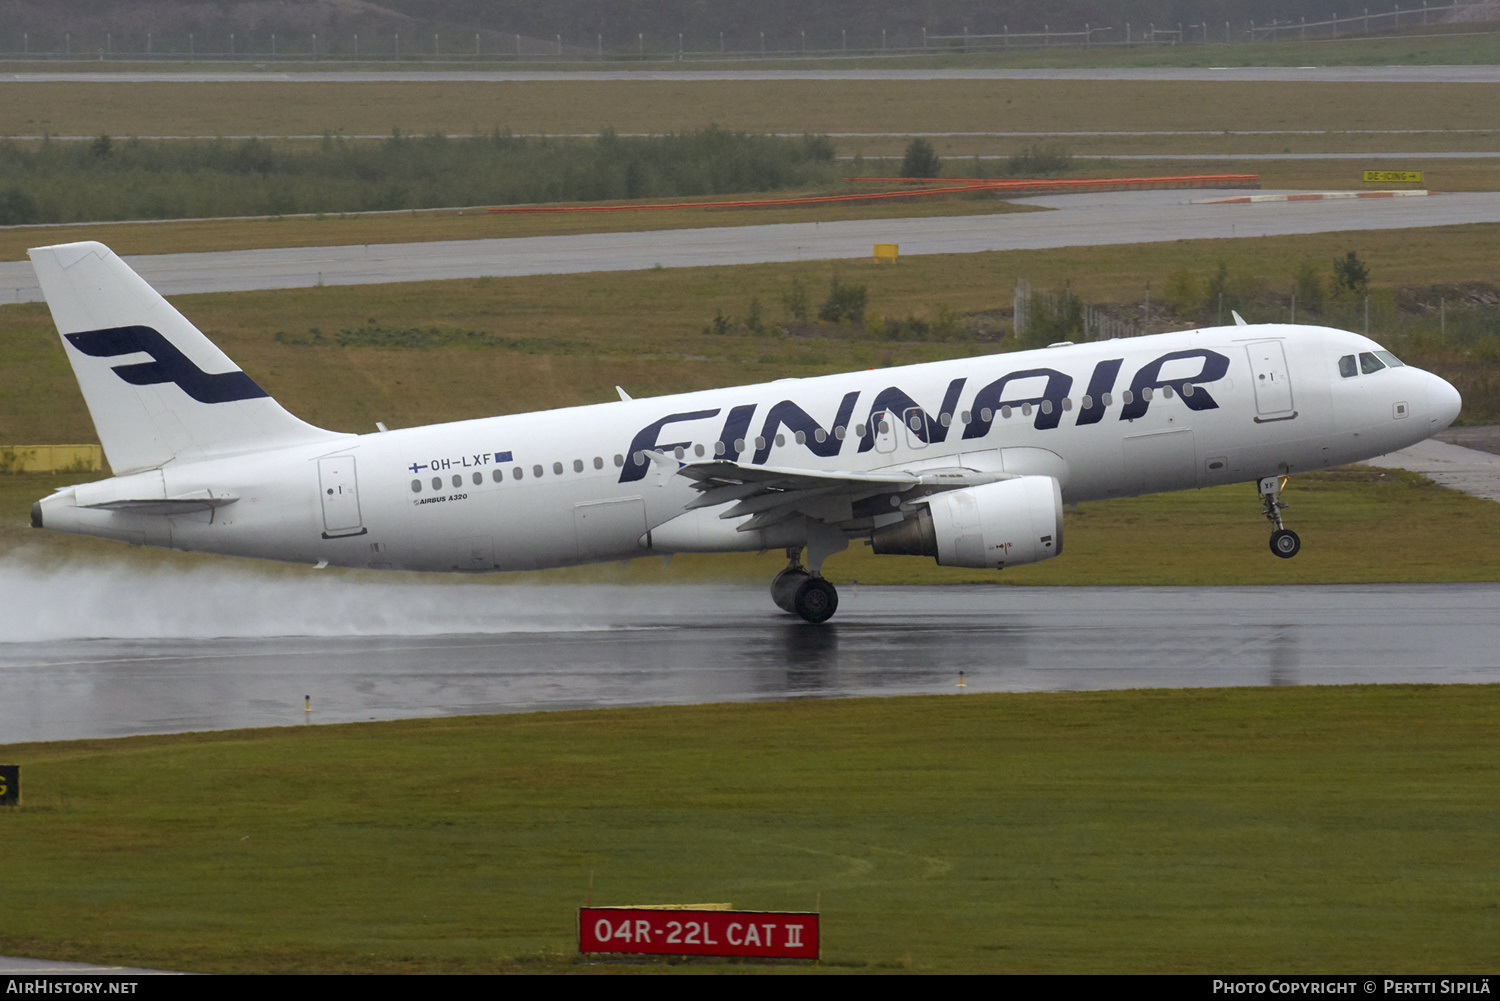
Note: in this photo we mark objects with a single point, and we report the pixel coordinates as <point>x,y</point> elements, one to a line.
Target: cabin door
<point>339,489</point>
<point>1273,383</point>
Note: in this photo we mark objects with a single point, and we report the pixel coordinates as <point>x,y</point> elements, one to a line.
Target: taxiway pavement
<point>748,72</point>
<point>1091,219</point>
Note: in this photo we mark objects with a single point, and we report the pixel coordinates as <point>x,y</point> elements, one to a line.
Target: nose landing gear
<point>1284,541</point>
<point>802,593</point>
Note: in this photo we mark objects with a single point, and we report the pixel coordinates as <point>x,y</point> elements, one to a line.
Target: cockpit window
<point>1369,363</point>
<point>1390,359</point>
<point>1347,368</point>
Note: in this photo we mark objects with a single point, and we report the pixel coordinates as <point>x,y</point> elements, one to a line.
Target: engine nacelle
<point>994,525</point>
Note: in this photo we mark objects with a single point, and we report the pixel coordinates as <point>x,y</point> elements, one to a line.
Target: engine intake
<point>1006,523</point>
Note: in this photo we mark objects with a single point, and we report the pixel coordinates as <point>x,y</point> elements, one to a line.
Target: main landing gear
<point>1284,541</point>
<point>802,593</point>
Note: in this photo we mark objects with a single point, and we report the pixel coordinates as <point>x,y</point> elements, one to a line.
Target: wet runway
<point>386,651</point>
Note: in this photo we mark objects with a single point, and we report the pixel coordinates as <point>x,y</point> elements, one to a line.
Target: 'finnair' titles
<point>969,462</point>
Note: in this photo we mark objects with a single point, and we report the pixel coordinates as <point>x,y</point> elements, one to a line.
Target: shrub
<point>138,179</point>
<point>845,303</point>
<point>17,208</point>
<point>921,160</point>
<point>1350,274</point>
<point>1040,161</point>
<point>794,301</point>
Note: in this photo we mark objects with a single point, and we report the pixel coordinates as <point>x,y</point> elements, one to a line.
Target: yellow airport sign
<point>1393,177</point>
<point>50,458</point>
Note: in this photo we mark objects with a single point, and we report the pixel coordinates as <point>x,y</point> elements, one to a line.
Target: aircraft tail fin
<point>156,387</point>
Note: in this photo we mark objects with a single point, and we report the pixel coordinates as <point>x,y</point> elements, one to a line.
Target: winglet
<point>1239,321</point>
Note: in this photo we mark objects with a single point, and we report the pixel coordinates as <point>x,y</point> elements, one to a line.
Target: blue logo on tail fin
<point>168,364</point>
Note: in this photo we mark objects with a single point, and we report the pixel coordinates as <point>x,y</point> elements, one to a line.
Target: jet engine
<point>994,525</point>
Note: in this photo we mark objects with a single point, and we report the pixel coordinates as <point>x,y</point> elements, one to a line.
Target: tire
<point>784,588</point>
<point>816,600</point>
<point>1284,543</point>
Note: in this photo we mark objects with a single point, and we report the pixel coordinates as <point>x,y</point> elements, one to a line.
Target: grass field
<point>472,224</point>
<point>1474,43</point>
<point>791,106</point>
<point>1237,830</point>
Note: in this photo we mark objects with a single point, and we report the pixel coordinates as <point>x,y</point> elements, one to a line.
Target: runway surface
<point>166,661</point>
<point>748,72</point>
<point>1119,217</point>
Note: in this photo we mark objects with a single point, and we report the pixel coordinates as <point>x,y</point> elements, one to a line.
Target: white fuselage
<point>553,488</point>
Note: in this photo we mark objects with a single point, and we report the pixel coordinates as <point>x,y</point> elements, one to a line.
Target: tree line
<point>107,179</point>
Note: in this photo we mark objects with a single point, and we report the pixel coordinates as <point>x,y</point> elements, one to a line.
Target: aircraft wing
<point>772,494</point>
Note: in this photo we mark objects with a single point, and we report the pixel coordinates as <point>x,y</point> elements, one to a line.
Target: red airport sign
<point>673,932</point>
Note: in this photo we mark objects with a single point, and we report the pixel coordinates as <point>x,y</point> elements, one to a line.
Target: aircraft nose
<point>1443,402</point>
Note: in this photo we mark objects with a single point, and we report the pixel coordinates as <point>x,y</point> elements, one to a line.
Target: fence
<point>489,46</point>
<point>1064,314</point>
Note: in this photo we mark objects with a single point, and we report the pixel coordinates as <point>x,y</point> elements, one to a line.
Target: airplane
<point>968,461</point>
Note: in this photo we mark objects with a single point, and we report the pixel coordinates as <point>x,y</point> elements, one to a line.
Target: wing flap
<point>770,495</point>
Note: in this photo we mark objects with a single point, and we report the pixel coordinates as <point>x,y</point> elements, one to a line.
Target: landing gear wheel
<point>1284,543</point>
<point>784,588</point>
<point>816,600</point>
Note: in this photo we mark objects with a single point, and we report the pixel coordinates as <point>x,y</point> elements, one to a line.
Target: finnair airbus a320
<point>967,461</point>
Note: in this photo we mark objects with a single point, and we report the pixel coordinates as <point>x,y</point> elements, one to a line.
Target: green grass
<point>562,107</point>
<point>1458,44</point>
<point>1237,830</point>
